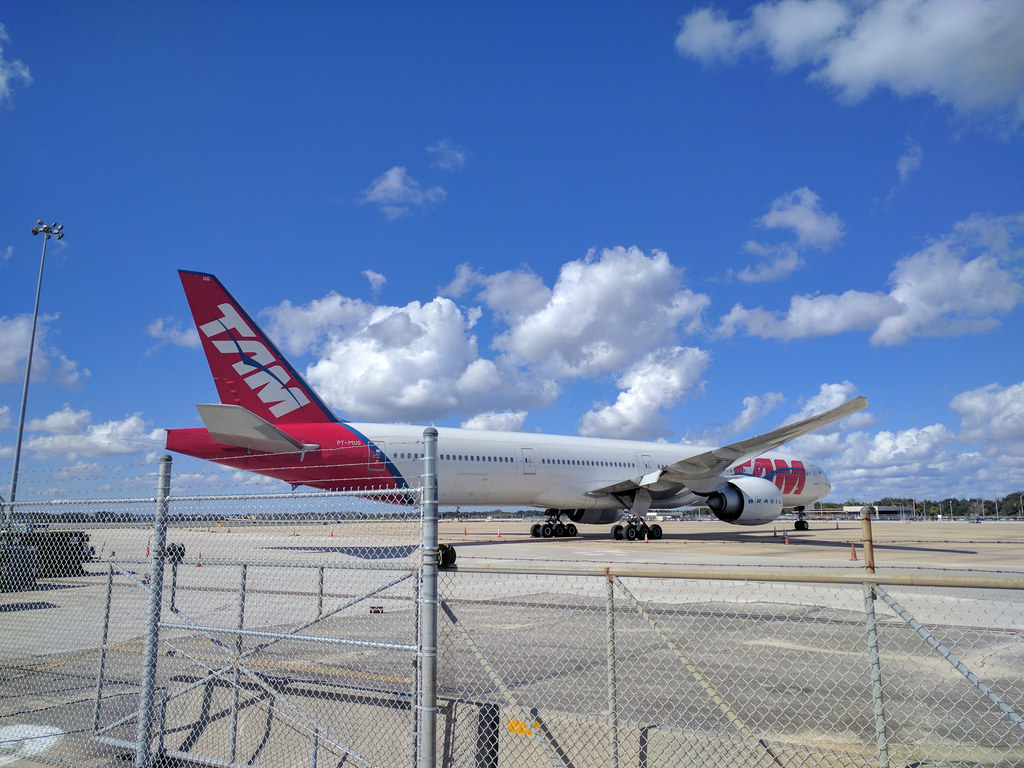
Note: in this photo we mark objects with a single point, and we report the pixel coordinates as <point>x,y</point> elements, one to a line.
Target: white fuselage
<point>559,472</point>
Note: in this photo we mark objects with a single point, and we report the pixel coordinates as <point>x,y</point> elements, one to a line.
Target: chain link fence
<point>317,630</point>
<point>699,669</point>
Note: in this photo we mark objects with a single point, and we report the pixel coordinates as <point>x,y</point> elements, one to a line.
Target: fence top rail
<point>965,579</point>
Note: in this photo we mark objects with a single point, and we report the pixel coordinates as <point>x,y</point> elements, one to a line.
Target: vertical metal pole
<point>869,544</point>
<point>236,661</point>
<point>156,588</point>
<point>24,393</point>
<point>426,705</point>
<point>103,650</point>
<point>877,699</point>
<point>613,715</point>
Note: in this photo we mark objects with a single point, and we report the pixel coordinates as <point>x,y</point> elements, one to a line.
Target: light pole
<point>47,231</point>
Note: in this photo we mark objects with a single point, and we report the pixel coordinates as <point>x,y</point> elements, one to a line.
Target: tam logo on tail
<point>265,377</point>
<point>248,368</point>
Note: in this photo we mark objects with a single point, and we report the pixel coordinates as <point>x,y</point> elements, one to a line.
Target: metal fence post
<point>156,588</point>
<point>874,660</point>
<point>426,705</point>
<point>613,713</point>
<point>237,662</point>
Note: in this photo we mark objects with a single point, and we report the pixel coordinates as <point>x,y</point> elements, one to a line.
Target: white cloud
<point>810,316</point>
<point>5,416</point>
<point>994,417</point>
<point>388,363</point>
<point>910,160</point>
<point>938,291</point>
<point>604,312</point>
<point>447,155</point>
<point>396,193</point>
<point>376,279</point>
<point>62,422</point>
<point>783,260</point>
<point>658,381</point>
<point>965,54</point>
<point>512,294</point>
<point>47,362</point>
<point>302,329</point>
<point>11,72</point>
<point>422,361</point>
<point>942,294</point>
<point>70,433</point>
<point>499,421</point>
<point>801,212</point>
<point>171,330</point>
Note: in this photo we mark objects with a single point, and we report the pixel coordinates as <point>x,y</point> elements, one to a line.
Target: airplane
<point>271,422</point>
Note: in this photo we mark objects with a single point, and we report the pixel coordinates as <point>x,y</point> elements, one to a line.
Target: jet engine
<point>746,500</point>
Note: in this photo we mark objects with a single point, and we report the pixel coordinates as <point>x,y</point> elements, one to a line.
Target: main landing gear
<point>634,529</point>
<point>801,523</point>
<point>553,528</point>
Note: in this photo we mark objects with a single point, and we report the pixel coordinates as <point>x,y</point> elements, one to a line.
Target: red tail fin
<point>247,368</point>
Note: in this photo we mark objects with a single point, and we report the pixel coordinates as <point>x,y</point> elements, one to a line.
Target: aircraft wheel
<point>617,532</point>
<point>559,530</point>
<point>446,555</point>
<point>571,530</point>
<point>547,530</point>
<point>631,533</point>
<point>801,525</point>
<point>535,531</point>
<point>655,531</point>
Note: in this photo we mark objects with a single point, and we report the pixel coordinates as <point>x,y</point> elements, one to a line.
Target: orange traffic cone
<point>853,551</point>
<point>499,533</point>
<point>147,548</point>
<point>785,538</point>
<point>199,561</point>
<point>465,530</point>
<point>332,532</point>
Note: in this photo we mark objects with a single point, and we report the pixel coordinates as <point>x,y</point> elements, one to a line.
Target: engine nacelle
<point>593,516</point>
<point>746,500</point>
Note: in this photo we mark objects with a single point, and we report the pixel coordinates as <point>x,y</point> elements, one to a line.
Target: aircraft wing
<point>237,426</point>
<point>700,472</point>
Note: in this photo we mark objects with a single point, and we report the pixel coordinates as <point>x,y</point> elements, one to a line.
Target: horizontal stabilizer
<point>234,425</point>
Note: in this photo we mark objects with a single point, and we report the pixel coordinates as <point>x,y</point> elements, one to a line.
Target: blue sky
<point>668,221</point>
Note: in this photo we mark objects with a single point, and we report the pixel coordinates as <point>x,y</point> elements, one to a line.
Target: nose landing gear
<point>801,523</point>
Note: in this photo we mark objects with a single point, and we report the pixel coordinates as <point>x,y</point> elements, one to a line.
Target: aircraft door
<point>529,461</point>
<point>646,462</point>
<point>377,458</point>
